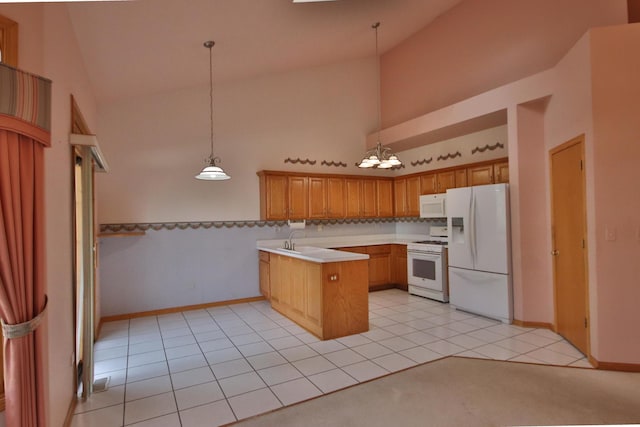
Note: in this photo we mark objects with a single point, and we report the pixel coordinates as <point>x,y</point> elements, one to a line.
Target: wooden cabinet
<point>480,175</point>
<point>330,300</point>
<point>399,266</point>
<point>413,196</point>
<point>353,190</point>
<point>274,203</point>
<point>400,197</point>
<point>317,197</point>
<point>384,197</point>
<point>490,173</point>
<point>336,198</point>
<point>445,180</point>
<point>501,172</point>
<point>428,183</point>
<point>406,196</point>
<point>434,183</point>
<point>369,197</point>
<point>379,266</point>
<point>361,198</point>
<point>298,197</point>
<point>461,177</point>
<point>265,287</point>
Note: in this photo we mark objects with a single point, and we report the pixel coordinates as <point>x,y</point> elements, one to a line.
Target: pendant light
<point>211,172</point>
<point>379,157</point>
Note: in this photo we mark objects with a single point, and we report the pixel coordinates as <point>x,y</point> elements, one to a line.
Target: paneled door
<point>569,250</point>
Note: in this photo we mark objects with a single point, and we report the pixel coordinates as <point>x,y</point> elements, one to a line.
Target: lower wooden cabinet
<point>379,266</point>
<point>399,266</point>
<point>387,265</point>
<point>330,300</point>
<point>265,287</point>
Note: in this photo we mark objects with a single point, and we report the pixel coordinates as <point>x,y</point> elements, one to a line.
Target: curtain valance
<point>25,104</point>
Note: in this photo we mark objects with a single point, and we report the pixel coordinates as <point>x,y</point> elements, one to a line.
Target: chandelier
<point>379,157</point>
<point>211,172</point>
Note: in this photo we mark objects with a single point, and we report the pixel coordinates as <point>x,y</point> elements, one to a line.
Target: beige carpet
<point>472,392</point>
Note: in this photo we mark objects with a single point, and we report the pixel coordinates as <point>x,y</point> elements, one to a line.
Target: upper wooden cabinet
<point>480,175</point>
<point>501,172</point>
<point>317,197</point>
<point>400,197</point>
<point>461,177</point>
<point>428,183</point>
<point>369,198</point>
<point>287,195</point>
<point>298,197</point>
<point>406,196</point>
<point>274,204</point>
<point>336,198</point>
<point>384,190</point>
<point>489,173</point>
<point>446,180</point>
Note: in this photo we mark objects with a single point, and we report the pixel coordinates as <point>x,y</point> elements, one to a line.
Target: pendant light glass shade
<point>211,172</point>
<point>379,157</point>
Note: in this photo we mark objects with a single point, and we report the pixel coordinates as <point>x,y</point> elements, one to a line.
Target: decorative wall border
<point>332,163</point>
<point>450,156</point>
<point>487,147</point>
<point>157,226</point>
<point>299,160</point>
<point>422,162</point>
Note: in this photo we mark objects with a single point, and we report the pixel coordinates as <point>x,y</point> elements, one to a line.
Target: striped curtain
<point>25,104</point>
<point>25,123</point>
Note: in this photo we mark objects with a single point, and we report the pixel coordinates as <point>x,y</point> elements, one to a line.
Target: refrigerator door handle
<point>472,229</point>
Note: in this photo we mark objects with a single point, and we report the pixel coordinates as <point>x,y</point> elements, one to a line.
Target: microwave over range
<point>433,206</point>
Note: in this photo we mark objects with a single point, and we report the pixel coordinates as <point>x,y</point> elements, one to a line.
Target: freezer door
<point>459,227</point>
<point>491,224</point>
<point>487,294</point>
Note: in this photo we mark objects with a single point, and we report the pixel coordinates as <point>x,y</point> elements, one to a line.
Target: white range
<point>427,265</point>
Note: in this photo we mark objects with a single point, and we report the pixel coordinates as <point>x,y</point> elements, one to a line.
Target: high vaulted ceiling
<point>136,48</point>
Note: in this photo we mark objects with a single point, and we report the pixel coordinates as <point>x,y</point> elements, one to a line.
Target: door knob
<point>555,253</point>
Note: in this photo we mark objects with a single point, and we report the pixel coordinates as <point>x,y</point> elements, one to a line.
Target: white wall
<point>463,144</point>
<point>47,46</point>
<point>174,268</point>
<point>156,145</point>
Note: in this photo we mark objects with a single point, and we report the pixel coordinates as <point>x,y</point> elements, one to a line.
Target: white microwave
<point>433,206</point>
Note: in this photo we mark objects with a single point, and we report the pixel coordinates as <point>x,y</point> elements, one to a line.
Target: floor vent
<point>101,384</point>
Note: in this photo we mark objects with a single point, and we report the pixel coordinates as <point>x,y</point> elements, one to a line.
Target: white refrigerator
<point>480,250</point>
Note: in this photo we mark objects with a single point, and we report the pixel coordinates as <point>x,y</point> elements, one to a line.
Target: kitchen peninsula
<point>323,290</point>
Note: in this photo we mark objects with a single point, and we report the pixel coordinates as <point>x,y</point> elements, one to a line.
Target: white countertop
<point>315,249</point>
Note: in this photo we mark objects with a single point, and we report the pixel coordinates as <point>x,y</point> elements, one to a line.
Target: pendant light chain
<point>379,157</point>
<point>211,172</point>
<point>375,27</point>
<point>210,45</point>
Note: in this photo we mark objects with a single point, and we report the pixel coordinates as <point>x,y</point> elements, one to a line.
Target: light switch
<point>609,233</point>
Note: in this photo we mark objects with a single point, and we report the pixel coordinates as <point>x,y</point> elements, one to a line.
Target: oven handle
<point>418,252</point>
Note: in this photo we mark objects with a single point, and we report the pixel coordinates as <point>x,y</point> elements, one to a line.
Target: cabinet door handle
<point>555,252</point>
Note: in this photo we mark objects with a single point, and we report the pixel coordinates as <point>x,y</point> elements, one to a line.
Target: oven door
<point>424,269</point>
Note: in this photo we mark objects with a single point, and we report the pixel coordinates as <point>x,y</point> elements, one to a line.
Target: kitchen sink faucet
<point>288,244</point>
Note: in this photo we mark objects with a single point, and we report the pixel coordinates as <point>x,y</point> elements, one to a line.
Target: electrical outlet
<point>609,233</point>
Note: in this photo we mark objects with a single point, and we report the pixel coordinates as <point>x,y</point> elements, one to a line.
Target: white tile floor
<point>215,366</point>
